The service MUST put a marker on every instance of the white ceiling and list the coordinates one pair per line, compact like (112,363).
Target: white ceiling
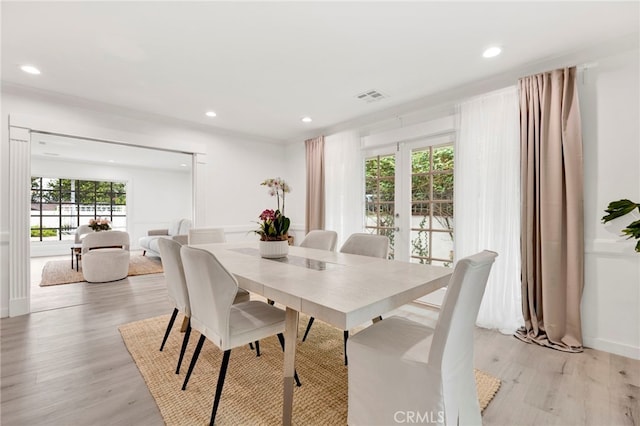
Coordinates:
(262,66)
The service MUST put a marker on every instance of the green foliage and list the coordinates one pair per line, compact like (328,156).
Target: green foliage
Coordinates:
(420,244)
(46,232)
(77,191)
(620,208)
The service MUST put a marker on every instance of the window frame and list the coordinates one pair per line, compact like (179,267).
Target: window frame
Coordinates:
(74,204)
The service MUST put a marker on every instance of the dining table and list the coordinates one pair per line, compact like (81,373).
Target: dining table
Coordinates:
(344,290)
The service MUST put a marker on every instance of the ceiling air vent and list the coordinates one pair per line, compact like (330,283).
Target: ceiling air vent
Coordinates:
(371,96)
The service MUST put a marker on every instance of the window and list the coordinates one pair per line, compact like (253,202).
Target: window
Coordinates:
(380,197)
(409,198)
(59,206)
(432,205)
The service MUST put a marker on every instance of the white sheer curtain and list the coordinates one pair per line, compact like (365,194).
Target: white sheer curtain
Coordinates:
(343,184)
(487,199)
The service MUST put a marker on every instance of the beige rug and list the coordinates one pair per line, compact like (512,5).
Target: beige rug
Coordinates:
(59,271)
(253,388)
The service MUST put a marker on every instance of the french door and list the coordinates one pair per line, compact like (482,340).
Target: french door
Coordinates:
(409,198)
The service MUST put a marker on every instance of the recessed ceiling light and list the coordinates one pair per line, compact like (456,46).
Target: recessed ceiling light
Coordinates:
(112,161)
(30,69)
(183,165)
(306,119)
(492,52)
(210,114)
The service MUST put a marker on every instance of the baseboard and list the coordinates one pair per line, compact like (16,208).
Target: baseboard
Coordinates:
(19,307)
(612,347)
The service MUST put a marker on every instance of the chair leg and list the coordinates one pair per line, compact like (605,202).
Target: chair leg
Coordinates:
(144,252)
(221,376)
(255,347)
(185,342)
(169,327)
(309,324)
(196,353)
(295,373)
(346,336)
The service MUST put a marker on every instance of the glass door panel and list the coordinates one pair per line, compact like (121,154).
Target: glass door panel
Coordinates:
(380,182)
(431,232)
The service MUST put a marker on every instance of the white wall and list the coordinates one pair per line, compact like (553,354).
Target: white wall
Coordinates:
(228,190)
(147,192)
(609,104)
(609,101)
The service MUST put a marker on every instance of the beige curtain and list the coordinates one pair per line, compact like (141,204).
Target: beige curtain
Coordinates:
(315,183)
(552,240)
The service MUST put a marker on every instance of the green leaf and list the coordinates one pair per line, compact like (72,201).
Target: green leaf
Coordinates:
(632,230)
(619,208)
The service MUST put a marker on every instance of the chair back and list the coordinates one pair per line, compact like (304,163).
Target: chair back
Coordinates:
(322,240)
(212,290)
(206,235)
(453,337)
(174,274)
(105,239)
(81,232)
(367,245)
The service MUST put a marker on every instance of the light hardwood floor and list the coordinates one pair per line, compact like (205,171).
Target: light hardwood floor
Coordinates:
(66,364)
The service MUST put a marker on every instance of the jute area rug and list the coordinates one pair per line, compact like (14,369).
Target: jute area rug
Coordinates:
(59,271)
(252,392)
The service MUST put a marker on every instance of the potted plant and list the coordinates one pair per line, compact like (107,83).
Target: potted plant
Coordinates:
(621,208)
(274,225)
(99,224)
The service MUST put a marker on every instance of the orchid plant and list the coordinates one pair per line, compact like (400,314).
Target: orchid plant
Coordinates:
(274,225)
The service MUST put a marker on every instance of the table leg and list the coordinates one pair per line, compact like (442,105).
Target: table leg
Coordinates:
(290,336)
(73,252)
(185,324)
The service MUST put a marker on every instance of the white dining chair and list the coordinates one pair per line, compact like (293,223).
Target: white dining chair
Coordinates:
(178,292)
(403,368)
(320,239)
(215,235)
(206,235)
(365,245)
(227,325)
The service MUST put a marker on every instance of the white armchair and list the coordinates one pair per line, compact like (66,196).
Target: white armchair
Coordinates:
(105,256)
(178,231)
(81,232)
